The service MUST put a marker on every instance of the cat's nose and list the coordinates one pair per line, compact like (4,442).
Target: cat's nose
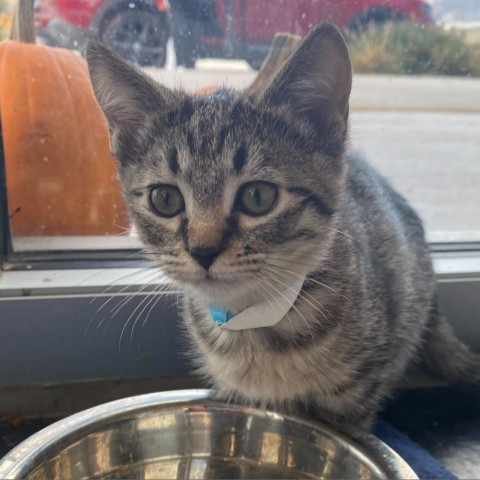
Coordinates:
(205,256)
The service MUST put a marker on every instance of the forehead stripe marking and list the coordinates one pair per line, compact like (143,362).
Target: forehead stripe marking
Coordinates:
(221,138)
(240,158)
(309,198)
(190,142)
(186,111)
(173,161)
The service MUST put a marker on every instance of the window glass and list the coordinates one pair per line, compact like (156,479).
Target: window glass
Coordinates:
(415,106)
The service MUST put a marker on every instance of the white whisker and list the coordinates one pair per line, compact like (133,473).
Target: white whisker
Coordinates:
(154,296)
(308,279)
(339,231)
(112,296)
(114,283)
(302,296)
(147,297)
(296,309)
(151,309)
(292,328)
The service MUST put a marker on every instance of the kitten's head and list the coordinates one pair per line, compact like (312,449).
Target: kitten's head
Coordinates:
(232,194)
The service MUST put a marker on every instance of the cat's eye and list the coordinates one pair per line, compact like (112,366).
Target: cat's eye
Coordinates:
(166,200)
(257,198)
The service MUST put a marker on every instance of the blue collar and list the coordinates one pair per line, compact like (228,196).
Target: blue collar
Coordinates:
(264,314)
(220,314)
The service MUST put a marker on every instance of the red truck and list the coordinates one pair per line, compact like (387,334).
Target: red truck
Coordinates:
(139,29)
(245,28)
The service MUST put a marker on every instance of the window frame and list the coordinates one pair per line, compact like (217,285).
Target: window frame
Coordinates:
(5,242)
(457,266)
(59,368)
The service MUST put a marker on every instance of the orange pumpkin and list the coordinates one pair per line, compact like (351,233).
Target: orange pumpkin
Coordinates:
(60,173)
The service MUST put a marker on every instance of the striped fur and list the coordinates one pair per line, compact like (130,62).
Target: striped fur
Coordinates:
(368,304)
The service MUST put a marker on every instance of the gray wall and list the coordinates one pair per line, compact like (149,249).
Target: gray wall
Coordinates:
(56,340)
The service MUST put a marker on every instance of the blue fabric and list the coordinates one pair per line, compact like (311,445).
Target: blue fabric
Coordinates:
(424,465)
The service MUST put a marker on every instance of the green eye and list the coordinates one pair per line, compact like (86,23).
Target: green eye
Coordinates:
(166,200)
(257,198)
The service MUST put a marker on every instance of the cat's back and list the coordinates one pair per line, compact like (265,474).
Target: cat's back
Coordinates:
(389,245)
(377,208)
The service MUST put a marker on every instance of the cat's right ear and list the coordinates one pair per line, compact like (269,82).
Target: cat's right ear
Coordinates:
(127,97)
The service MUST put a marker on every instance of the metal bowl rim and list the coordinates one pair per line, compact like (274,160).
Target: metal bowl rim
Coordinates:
(18,462)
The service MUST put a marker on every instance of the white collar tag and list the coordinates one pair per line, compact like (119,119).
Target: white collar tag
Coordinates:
(269,312)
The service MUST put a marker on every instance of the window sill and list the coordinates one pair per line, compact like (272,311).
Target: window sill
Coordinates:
(449,266)
(78,324)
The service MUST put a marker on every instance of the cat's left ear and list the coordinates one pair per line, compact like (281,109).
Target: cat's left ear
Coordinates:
(126,95)
(316,80)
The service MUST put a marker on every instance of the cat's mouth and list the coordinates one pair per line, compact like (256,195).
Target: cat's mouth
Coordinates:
(234,291)
(209,280)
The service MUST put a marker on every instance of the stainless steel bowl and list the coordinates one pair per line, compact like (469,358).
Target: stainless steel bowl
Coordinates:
(187,434)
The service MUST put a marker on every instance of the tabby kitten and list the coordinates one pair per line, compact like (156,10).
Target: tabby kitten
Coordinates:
(308,285)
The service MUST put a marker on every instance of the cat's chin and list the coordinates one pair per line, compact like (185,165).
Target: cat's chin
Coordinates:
(231,293)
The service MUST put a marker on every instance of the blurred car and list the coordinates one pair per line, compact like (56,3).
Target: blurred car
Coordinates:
(137,29)
(245,28)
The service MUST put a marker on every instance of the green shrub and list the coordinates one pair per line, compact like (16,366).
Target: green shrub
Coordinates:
(407,48)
